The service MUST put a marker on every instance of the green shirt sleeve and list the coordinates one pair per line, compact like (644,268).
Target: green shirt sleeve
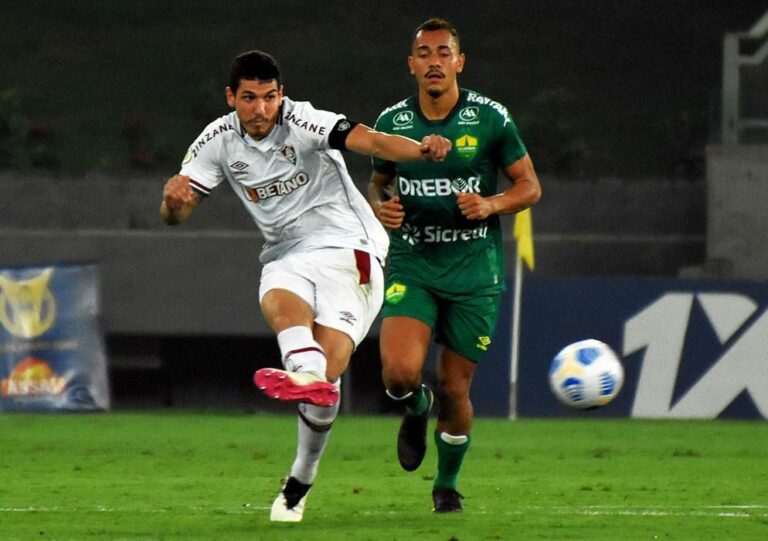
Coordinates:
(510,147)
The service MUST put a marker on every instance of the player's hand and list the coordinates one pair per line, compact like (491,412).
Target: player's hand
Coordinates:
(177,193)
(474,206)
(390,213)
(434,148)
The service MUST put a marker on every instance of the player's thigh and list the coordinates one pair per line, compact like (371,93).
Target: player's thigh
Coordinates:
(343,287)
(403,344)
(409,315)
(467,324)
(283,309)
(291,273)
(349,290)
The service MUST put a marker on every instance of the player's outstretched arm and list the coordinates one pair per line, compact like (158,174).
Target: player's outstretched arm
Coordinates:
(179,199)
(387,209)
(524,192)
(396,148)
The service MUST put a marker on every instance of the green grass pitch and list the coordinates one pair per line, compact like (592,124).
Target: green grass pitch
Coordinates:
(172,476)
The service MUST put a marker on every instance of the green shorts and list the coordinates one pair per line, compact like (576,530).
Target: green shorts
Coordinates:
(463,322)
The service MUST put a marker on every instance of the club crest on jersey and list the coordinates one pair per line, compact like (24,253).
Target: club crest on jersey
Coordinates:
(289,153)
(466,146)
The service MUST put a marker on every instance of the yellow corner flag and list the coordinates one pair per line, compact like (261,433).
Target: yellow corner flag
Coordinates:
(523,232)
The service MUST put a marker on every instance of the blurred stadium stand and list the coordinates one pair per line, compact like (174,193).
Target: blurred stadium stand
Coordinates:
(737,166)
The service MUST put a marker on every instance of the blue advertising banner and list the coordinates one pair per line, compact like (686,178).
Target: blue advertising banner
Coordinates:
(52,354)
(690,349)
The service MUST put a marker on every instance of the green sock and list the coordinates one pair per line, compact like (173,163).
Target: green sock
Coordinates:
(417,402)
(449,458)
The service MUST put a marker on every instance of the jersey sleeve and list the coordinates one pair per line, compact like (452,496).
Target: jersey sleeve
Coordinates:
(379,165)
(510,146)
(202,163)
(312,126)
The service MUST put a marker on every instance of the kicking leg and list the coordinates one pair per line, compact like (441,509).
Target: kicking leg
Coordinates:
(314,428)
(304,379)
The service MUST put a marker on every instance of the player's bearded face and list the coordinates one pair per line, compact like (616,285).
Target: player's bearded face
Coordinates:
(257,104)
(435,61)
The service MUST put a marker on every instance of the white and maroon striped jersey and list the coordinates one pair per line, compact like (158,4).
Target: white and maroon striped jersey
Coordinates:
(296,188)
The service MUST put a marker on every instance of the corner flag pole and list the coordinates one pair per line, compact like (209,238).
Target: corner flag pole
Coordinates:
(523,232)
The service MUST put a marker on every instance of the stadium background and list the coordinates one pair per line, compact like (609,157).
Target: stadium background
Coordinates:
(98,102)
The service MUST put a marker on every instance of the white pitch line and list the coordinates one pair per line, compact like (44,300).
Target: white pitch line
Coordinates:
(104,509)
(735,511)
(726,511)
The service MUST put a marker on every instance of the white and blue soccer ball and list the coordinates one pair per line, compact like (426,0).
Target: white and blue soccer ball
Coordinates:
(586,374)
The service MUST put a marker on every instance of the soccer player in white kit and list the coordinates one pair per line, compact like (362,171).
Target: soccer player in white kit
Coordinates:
(321,284)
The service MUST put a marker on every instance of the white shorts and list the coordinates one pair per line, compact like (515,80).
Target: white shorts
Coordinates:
(345,287)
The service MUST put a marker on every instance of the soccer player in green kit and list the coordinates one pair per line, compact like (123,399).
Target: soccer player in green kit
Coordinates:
(446,265)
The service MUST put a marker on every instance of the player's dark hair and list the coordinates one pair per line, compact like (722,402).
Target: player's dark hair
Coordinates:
(436,23)
(253,66)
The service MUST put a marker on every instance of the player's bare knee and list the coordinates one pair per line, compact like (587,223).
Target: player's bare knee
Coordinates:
(400,380)
(452,391)
(336,367)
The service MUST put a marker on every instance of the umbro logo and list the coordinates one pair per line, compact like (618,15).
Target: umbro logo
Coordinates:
(238,166)
(347,317)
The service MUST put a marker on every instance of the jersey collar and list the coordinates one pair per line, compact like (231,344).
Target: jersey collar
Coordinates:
(442,121)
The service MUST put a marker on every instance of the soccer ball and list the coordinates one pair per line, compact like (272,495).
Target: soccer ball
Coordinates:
(586,374)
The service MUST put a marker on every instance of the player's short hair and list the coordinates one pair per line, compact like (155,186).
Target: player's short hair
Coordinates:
(253,66)
(436,23)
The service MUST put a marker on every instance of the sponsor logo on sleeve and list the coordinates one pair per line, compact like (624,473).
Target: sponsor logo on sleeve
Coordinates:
(499,108)
(207,137)
(305,124)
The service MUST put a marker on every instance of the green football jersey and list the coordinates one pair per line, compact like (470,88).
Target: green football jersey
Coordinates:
(436,245)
